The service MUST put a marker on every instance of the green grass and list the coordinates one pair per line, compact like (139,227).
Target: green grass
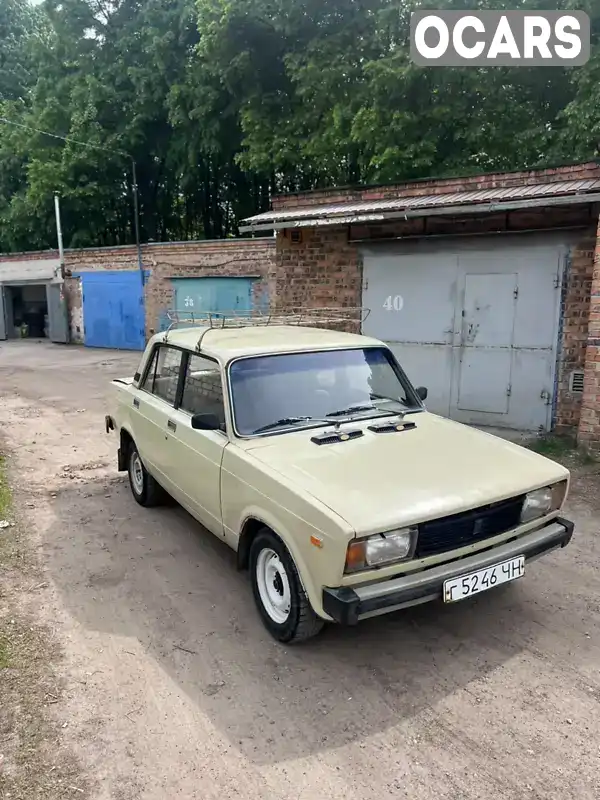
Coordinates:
(28,678)
(5,499)
(560,448)
(5,504)
(4,654)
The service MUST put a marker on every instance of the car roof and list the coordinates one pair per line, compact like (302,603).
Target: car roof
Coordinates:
(225,344)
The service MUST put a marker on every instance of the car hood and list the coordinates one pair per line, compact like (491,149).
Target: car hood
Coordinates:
(385,480)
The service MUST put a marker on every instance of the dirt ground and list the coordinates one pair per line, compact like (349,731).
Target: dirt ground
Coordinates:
(171,688)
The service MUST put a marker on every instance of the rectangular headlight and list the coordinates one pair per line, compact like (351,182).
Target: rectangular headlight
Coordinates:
(541,502)
(381,549)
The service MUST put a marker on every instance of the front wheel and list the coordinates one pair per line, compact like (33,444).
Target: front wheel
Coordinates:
(144,488)
(281,600)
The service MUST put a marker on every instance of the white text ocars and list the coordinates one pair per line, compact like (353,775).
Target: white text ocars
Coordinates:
(310,453)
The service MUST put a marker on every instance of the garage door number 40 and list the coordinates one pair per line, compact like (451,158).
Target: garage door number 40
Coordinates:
(394,303)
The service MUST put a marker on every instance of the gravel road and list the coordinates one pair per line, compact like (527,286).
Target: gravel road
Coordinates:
(173,689)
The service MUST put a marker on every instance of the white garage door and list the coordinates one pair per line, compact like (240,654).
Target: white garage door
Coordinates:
(473,320)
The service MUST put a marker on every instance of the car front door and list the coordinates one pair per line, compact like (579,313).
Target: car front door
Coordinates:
(152,407)
(198,454)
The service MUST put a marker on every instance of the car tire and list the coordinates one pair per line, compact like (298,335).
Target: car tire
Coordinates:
(278,592)
(146,491)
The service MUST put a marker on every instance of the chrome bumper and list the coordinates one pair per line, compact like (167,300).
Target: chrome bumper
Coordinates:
(348,605)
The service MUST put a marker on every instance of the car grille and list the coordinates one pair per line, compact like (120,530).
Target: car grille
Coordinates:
(458,530)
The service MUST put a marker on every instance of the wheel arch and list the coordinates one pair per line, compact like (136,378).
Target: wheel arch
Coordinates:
(251,526)
(125,441)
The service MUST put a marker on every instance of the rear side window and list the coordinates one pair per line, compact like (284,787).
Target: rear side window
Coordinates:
(162,377)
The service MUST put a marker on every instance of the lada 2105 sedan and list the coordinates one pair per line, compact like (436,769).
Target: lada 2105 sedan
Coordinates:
(311,454)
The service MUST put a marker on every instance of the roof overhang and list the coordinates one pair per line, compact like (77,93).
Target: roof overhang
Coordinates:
(403,208)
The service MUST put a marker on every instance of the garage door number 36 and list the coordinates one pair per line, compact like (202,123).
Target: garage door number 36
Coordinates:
(394,303)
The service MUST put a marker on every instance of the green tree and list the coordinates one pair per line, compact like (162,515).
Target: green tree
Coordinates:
(221,103)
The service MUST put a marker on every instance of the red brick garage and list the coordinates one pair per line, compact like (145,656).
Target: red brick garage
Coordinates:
(502,262)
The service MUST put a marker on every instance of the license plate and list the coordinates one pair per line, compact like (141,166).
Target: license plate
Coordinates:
(484,579)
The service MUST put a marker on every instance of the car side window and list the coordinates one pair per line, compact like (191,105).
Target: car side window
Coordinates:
(162,377)
(203,388)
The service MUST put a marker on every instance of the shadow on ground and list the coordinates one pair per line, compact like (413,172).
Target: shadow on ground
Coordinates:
(158,577)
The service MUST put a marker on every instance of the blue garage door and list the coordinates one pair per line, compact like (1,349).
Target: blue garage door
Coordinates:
(113,309)
(197,295)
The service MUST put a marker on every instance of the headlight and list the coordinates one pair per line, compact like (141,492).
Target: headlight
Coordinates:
(543,501)
(381,549)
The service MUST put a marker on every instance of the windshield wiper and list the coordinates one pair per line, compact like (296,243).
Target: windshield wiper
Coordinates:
(358,408)
(351,410)
(287,421)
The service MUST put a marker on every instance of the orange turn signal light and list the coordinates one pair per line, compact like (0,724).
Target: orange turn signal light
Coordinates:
(355,556)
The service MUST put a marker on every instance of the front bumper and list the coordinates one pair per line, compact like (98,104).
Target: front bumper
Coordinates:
(348,605)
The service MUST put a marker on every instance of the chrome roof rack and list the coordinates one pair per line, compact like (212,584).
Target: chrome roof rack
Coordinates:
(302,316)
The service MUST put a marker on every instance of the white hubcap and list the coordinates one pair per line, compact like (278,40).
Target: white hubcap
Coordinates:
(273,585)
(137,473)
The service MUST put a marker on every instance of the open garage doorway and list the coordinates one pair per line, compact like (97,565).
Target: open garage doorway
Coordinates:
(26,312)
(33,311)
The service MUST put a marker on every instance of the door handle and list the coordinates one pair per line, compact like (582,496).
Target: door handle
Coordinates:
(136,402)
(171,425)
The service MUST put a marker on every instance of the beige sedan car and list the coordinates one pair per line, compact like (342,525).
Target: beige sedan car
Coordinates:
(311,454)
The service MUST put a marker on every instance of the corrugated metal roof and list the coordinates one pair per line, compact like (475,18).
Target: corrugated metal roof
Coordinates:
(531,192)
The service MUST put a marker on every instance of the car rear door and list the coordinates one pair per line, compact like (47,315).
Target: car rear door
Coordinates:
(152,408)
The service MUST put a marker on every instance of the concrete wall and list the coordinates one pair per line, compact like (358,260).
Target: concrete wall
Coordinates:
(20,269)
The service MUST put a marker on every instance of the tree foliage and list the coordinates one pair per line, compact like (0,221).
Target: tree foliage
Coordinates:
(220,103)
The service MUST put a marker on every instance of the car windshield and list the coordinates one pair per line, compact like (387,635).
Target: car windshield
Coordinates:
(293,390)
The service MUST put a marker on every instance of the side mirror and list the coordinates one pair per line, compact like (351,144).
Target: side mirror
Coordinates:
(206,422)
(422,392)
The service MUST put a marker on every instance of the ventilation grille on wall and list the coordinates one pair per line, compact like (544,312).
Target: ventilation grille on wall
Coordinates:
(576,382)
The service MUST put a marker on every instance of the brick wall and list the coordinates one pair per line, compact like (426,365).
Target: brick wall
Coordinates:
(164,261)
(225,258)
(88,260)
(576,288)
(438,186)
(323,270)
(32,255)
(589,423)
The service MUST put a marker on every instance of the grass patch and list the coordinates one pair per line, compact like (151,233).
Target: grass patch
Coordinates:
(5,499)
(562,449)
(4,653)
(34,764)
(4,509)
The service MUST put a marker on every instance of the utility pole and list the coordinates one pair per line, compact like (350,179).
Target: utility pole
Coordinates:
(61,252)
(137,220)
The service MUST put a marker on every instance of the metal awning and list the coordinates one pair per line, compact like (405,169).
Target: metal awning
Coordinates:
(404,207)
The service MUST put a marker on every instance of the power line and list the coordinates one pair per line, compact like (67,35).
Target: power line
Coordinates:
(64,138)
(136,213)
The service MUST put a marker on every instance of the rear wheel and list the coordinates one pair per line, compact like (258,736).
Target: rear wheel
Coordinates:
(280,598)
(144,488)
